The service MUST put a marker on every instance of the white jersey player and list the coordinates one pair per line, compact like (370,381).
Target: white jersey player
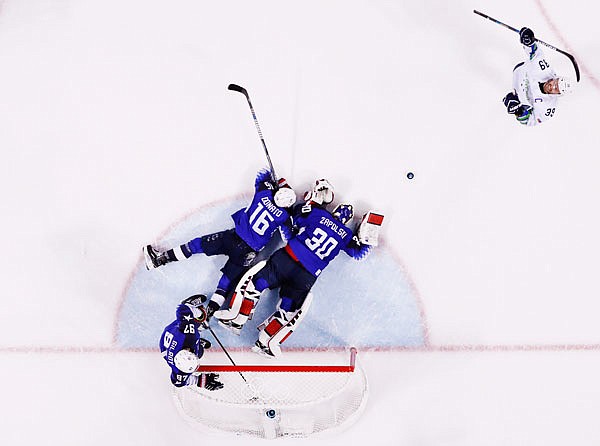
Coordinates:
(536,87)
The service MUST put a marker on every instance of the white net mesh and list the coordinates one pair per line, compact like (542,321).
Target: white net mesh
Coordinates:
(273,404)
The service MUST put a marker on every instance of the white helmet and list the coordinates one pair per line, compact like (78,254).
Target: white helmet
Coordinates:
(285,197)
(186,361)
(565,85)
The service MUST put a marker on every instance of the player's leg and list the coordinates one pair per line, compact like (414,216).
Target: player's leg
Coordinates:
(211,244)
(241,257)
(245,297)
(281,324)
(291,309)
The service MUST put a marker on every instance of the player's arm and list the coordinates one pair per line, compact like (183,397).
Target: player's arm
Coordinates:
(357,250)
(179,379)
(527,39)
(299,214)
(264,180)
(208,381)
(286,229)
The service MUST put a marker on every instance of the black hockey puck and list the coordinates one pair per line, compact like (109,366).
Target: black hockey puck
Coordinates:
(410,175)
(270,413)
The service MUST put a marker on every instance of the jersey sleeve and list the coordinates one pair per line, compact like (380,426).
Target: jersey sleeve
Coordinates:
(179,379)
(532,51)
(356,249)
(263,181)
(286,229)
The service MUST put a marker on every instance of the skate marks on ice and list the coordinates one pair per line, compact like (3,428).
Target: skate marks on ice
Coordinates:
(369,304)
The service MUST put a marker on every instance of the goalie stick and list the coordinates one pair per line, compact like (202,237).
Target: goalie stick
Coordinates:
(571,58)
(234,87)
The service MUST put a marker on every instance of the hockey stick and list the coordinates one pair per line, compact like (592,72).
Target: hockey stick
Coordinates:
(571,58)
(234,87)
(226,353)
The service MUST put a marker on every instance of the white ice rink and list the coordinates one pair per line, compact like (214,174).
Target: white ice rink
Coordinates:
(115,123)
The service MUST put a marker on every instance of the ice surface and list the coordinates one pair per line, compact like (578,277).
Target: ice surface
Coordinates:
(117,129)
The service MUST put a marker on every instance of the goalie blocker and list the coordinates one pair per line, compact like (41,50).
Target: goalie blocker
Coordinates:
(370,226)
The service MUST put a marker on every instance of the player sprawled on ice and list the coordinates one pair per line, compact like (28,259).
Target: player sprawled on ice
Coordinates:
(182,347)
(536,87)
(254,227)
(319,237)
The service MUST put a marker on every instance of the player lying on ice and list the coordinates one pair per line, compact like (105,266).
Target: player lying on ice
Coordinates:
(182,347)
(254,227)
(536,88)
(319,237)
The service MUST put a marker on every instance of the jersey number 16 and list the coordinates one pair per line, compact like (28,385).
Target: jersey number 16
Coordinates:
(261,221)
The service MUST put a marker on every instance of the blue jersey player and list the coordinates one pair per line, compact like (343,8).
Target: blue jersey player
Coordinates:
(253,228)
(182,347)
(319,237)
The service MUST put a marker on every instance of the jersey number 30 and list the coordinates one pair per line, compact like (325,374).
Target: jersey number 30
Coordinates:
(321,244)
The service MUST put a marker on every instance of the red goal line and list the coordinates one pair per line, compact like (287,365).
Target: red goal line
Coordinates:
(284,368)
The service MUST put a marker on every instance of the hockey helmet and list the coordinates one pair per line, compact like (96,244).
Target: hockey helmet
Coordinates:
(285,197)
(343,212)
(565,85)
(186,361)
(190,314)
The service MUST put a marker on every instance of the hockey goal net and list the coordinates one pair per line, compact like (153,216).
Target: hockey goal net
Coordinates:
(271,401)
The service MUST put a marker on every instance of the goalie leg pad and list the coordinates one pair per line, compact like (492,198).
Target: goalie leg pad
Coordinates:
(244,289)
(280,325)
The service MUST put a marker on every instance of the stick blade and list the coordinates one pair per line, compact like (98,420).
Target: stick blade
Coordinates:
(577,74)
(235,87)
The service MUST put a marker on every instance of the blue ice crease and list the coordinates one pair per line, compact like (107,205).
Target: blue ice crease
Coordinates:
(367,304)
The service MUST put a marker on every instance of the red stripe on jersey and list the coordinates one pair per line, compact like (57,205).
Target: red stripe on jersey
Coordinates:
(290,252)
(246,308)
(375,219)
(273,327)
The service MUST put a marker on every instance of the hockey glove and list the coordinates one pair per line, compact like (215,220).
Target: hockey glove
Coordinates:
(523,114)
(209,381)
(211,308)
(196,300)
(526,36)
(205,343)
(512,103)
(282,182)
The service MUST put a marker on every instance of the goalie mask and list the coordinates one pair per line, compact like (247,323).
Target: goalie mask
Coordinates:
(285,197)
(343,212)
(186,361)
